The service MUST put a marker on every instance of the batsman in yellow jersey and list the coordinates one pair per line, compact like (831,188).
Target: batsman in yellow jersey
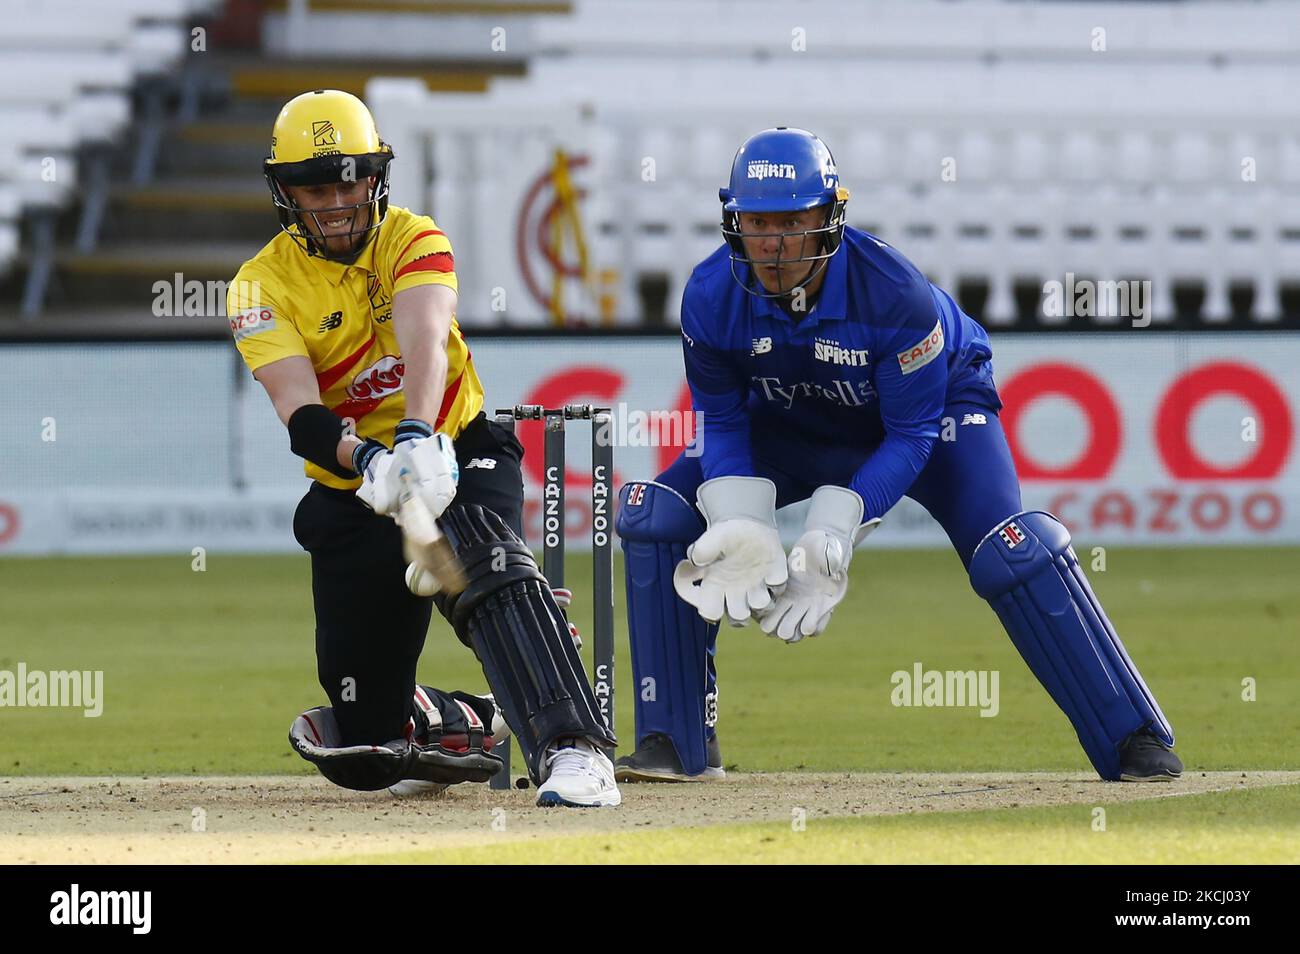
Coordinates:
(347,318)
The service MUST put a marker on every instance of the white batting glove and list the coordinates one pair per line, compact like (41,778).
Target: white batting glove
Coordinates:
(730,568)
(378,489)
(428,466)
(819,563)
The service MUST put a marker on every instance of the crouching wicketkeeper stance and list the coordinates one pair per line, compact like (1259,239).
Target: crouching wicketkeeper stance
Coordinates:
(825,367)
(347,318)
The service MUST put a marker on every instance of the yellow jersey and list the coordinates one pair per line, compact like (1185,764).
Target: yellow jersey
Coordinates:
(284,303)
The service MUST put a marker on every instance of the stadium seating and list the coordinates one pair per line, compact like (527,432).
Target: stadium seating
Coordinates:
(413,30)
(996,152)
(67,71)
(1170,155)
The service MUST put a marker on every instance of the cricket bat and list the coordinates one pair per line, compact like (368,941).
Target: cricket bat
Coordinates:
(423,542)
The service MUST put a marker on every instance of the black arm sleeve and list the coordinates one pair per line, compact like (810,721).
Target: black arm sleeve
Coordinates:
(314,434)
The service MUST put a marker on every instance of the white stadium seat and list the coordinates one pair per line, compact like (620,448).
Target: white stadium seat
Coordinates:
(1118,154)
(66,74)
(9,206)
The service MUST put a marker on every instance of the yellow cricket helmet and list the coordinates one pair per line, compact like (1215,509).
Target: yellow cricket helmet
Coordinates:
(322,137)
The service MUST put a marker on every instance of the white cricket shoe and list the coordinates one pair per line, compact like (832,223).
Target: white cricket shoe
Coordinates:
(579,775)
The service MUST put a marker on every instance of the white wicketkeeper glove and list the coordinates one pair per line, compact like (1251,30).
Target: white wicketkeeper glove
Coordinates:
(819,563)
(739,556)
(427,464)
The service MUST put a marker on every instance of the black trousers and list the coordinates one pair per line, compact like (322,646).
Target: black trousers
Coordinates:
(370,628)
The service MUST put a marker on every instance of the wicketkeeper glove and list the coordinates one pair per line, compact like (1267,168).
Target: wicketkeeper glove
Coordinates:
(739,556)
(818,564)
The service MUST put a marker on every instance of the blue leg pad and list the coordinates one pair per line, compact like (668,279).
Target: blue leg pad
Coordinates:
(1028,572)
(672,647)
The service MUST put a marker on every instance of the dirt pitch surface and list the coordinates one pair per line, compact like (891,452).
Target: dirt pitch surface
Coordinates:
(267,819)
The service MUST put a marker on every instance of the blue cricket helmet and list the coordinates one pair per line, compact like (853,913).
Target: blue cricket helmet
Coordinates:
(783,170)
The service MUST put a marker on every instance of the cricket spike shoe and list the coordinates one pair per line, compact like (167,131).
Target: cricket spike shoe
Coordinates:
(578,775)
(655,760)
(1145,758)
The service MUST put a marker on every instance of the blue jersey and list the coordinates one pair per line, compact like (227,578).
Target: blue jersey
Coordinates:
(872,364)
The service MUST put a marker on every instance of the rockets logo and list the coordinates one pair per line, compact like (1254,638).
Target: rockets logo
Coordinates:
(1012,536)
(381,378)
(322,133)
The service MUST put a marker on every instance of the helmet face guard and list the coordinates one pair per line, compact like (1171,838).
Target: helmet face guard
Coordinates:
(326,170)
(827,238)
(780,171)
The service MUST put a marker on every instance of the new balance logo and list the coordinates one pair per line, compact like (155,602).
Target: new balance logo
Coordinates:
(974,419)
(761,346)
(482,463)
(1012,536)
(330,322)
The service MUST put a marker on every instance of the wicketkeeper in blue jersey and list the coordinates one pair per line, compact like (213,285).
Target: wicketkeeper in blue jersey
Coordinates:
(822,365)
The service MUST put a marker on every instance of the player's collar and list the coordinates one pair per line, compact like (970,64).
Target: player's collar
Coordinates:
(832,301)
(335,271)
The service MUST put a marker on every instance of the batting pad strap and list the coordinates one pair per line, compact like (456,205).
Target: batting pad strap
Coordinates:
(455,720)
(1028,572)
(314,735)
(670,642)
(509,617)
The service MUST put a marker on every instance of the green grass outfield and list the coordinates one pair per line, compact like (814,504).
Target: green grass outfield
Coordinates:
(204,671)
